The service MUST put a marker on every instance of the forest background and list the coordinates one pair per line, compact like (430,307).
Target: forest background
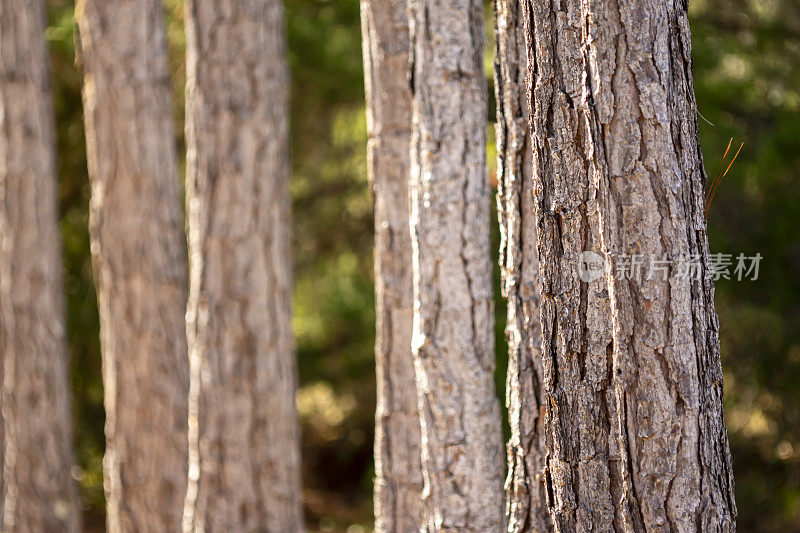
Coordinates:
(747,78)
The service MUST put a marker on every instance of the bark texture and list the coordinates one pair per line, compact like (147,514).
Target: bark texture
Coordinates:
(635,436)
(398,471)
(138,252)
(36,479)
(244,434)
(453,340)
(526,498)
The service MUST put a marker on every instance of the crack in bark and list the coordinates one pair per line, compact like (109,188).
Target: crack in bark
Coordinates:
(615,173)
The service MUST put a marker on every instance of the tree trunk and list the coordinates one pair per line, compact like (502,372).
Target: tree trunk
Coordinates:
(244,434)
(398,472)
(36,480)
(526,499)
(138,251)
(453,340)
(634,431)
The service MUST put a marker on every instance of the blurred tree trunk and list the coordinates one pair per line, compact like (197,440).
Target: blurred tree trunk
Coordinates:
(526,506)
(453,337)
(36,480)
(634,430)
(138,251)
(244,434)
(398,472)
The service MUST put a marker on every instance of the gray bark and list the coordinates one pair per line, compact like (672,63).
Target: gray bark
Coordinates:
(635,437)
(526,499)
(36,482)
(138,253)
(453,340)
(398,472)
(244,434)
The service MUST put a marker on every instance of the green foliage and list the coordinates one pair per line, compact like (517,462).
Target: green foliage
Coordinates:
(747,79)
(332,224)
(82,319)
(747,75)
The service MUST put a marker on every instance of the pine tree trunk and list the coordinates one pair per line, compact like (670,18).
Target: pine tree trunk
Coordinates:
(138,252)
(634,431)
(526,503)
(398,472)
(36,480)
(244,434)
(453,339)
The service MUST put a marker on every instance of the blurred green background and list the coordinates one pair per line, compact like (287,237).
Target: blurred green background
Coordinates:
(747,76)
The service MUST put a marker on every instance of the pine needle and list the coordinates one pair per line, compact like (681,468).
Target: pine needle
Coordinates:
(717,175)
(718,181)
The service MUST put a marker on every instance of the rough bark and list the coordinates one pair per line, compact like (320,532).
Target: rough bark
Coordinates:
(244,434)
(398,472)
(36,480)
(453,340)
(138,253)
(526,498)
(634,430)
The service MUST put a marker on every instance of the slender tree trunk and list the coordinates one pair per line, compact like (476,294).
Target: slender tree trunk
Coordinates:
(527,485)
(138,251)
(526,498)
(453,340)
(244,434)
(36,479)
(634,431)
(398,472)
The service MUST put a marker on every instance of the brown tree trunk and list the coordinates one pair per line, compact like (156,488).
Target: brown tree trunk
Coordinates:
(526,498)
(635,438)
(138,251)
(36,479)
(398,472)
(244,434)
(453,340)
